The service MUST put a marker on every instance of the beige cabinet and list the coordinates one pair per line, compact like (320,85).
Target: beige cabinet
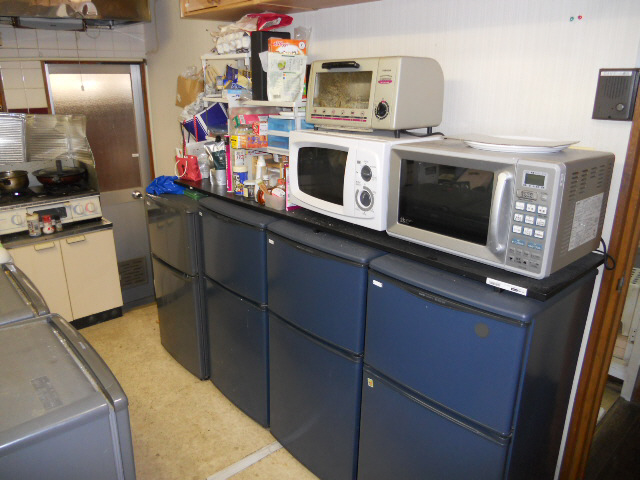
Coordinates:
(232,10)
(77,275)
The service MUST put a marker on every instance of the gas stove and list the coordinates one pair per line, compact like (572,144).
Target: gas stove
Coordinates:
(72,203)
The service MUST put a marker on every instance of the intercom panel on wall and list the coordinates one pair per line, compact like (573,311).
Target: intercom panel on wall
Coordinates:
(616,93)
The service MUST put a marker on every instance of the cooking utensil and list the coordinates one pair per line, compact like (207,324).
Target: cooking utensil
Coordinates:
(60,175)
(13,181)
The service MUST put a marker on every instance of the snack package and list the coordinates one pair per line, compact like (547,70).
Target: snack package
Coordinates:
(287,46)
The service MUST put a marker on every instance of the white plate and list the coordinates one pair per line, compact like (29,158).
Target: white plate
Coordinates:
(516,144)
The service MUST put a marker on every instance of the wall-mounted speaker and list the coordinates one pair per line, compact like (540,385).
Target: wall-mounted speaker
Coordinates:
(616,93)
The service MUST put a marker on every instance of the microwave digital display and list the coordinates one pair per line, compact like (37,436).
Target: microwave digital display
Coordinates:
(451,201)
(534,179)
(321,173)
(342,90)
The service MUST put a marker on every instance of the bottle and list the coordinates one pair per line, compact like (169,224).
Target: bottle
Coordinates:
(47,225)
(203,164)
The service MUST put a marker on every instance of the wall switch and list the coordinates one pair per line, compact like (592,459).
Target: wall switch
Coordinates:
(616,93)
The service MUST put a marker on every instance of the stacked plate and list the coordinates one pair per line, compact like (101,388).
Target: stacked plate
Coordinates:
(12,138)
(515,144)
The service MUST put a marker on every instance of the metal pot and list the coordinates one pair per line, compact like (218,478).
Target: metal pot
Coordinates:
(60,175)
(13,181)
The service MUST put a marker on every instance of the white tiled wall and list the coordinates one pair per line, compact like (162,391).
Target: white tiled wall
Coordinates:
(121,42)
(22,50)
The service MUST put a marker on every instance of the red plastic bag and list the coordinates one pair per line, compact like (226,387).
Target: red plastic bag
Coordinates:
(269,21)
(187,168)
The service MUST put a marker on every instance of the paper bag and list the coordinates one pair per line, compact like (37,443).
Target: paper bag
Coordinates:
(188,90)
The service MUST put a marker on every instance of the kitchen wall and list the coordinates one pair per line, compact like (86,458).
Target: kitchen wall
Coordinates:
(22,50)
(173,45)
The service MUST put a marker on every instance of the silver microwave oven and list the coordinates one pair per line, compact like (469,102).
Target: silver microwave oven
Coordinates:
(379,93)
(529,213)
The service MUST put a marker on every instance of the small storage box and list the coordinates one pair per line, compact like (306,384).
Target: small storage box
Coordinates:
(281,123)
(278,141)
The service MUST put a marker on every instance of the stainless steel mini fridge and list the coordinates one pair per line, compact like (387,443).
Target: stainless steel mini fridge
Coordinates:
(64,415)
(176,251)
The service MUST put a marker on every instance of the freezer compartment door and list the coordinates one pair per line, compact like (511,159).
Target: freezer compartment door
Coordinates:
(456,355)
(238,349)
(174,231)
(235,255)
(321,293)
(315,401)
(180,313)
(402,435)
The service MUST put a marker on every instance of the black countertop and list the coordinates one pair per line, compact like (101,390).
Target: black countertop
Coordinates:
(537,289)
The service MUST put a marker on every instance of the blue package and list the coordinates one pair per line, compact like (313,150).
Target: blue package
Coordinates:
(164,184)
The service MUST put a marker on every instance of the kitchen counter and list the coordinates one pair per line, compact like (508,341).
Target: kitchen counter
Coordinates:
(536,289)
(14,240)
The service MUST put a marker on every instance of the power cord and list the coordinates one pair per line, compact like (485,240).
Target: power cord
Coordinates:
(607,257)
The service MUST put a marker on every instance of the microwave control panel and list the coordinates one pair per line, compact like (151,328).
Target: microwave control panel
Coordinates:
(366,190)
(529,221)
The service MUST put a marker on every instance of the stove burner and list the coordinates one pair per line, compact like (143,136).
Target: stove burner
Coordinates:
(62,190)
(9,197)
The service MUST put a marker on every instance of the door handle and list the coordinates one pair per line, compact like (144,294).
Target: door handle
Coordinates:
(44,246)
(79,238)
(136,194)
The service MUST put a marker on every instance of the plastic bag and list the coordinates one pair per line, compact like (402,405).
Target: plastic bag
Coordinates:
(164,184)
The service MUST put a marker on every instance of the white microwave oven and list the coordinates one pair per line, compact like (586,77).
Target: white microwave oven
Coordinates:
(529,213)
(342,175)
(380,93)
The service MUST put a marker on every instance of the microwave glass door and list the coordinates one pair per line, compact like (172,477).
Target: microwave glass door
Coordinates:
(321,173)
(343,89)
(452,201)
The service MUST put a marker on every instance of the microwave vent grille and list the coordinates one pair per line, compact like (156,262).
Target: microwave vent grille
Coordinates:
(582,184)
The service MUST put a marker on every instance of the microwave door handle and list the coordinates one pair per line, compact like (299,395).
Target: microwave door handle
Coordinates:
(345,64)
(500,211)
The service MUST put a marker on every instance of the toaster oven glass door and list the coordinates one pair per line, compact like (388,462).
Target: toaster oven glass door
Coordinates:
(444,199)
(351,90)
(321,173)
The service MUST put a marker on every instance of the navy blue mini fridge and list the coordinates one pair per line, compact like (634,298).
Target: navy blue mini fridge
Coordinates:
(238,342)
(462,380)
(235,266)
(235,250)
(176,250)
(317,302)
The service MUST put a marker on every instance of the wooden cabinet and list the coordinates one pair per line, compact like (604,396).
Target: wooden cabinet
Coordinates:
(232,10)
(77,275)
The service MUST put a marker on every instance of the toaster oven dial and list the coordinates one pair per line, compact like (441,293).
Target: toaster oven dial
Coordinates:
(365,199)
(366,173)
(382,110)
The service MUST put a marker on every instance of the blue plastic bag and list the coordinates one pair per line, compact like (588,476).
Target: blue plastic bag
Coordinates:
(164,184)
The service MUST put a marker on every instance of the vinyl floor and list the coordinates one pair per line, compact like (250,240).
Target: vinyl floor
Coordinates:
(182,428)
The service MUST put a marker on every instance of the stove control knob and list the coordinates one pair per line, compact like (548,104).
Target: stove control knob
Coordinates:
(78,209)
(17,220)
(90,207)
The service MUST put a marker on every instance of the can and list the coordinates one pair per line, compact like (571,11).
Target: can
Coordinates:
(33,224)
